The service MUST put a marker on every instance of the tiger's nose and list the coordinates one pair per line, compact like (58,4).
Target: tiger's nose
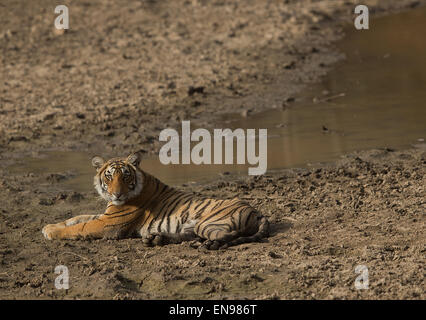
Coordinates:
(117,194)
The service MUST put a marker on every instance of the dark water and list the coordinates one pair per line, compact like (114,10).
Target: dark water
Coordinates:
(375,98)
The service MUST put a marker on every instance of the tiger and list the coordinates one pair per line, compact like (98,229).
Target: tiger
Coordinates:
(141,206)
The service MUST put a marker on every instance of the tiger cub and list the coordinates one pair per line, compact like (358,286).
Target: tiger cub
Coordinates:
(139,205)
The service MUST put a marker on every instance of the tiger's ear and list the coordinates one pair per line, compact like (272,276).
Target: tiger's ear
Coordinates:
(134,159)
(98,162)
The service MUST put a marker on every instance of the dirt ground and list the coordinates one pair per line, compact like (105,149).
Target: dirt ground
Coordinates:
(125,71)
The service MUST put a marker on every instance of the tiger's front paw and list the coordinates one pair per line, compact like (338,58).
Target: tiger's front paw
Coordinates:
(51,231)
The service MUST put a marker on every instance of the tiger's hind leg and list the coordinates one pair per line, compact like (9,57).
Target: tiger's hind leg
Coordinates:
(216,235)
(234,230)
(163,238)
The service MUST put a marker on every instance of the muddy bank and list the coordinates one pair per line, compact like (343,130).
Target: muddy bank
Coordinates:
(123,72)
(368,209)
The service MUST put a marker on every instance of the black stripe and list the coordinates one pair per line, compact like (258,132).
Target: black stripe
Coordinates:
(108,214)
(197,214)
(201,202)
(169,213)
(229,213)
(219,203)
(239,221)
(224,217)
(221,225)
(122,224)
(126,214)
(185,212)
(162,190)
(210,232)
(155,218)
(234,226)
(246,216)
(163,212)
(183,216)
(218,212)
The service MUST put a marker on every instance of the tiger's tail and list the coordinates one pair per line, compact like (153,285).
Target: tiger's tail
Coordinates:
(262,232)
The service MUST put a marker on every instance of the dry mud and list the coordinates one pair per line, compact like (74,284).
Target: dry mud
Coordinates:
(368,209)
(124,72)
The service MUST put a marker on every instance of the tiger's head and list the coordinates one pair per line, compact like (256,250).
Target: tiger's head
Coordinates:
(119,179)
